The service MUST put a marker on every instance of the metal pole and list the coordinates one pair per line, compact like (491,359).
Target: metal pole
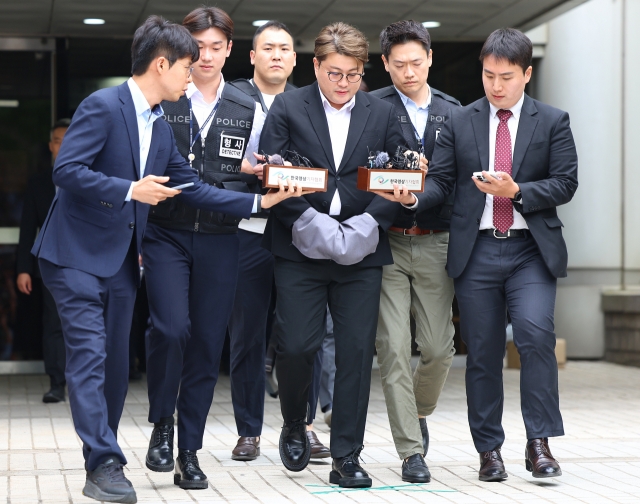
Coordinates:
(623,74)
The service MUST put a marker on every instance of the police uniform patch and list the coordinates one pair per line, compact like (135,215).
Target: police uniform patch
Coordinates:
(231,146)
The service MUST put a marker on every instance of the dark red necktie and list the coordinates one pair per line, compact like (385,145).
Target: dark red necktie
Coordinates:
(503,207)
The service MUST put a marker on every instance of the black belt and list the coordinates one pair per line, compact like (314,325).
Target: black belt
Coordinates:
(511,233)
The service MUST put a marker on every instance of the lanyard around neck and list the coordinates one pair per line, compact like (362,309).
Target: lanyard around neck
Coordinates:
(193,140)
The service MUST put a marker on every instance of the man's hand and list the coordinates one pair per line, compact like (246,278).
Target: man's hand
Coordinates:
(150,190)
(24,283)
(274,197)
(400,194)
(504,186)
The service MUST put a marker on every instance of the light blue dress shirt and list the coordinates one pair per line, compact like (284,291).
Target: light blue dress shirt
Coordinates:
(419,115)
(145,116)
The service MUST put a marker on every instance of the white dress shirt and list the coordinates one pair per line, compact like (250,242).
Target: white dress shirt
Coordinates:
(145,117)
(202,109)
(338,121)
(486,222)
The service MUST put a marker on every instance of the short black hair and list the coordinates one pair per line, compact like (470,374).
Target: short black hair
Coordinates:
(61,123)
(270,25)
(402,32)
(159,37)
(511,45)
(203,18)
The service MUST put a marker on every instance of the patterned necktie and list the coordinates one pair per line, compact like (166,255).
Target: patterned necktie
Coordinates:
(503,207)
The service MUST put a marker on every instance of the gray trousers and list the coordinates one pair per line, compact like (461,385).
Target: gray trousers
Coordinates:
(417,284)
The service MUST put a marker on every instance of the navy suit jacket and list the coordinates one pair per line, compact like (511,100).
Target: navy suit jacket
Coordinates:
(545,166)
(90,225)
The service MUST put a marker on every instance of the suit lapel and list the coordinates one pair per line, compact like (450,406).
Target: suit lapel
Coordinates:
(480,122)
(131,121)
(526,126)
(318,119)
(359,116)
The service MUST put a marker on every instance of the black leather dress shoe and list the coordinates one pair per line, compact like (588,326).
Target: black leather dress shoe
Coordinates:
(347,472)
(188,474)
(295,450)
(539,461)
(425,435)
(491,466)
(160,452)
(108,483)
(55,395)
(415,470)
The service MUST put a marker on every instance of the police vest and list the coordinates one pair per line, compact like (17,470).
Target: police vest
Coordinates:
(218,160)
(439,113)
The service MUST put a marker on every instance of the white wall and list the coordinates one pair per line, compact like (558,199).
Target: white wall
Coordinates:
(581,73)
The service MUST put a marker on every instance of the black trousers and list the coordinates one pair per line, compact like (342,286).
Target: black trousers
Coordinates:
(353,295)
(191,281)
(509,275)
(53,351)
(248,333)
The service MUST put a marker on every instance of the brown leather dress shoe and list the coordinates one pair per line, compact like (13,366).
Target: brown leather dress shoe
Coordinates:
(248,448)
(318,450)
(539,461)
(491,466)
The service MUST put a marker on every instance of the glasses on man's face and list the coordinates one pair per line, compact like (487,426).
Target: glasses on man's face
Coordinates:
(189,69)
(352,78)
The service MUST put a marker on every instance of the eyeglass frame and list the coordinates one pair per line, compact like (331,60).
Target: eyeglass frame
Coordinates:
(342,76)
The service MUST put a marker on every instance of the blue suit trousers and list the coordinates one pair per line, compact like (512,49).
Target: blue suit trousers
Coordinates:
(509,275)
(96,318)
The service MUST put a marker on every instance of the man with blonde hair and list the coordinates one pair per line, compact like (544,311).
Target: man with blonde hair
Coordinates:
(330,247)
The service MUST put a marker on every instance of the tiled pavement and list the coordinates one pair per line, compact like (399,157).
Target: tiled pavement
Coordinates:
(40,458)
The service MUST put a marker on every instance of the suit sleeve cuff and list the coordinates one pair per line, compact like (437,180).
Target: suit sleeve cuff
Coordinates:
(412,207)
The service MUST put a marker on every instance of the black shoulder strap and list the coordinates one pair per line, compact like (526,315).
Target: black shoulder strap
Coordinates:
(248,88)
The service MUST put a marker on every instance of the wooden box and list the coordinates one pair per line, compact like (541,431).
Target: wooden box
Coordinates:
(513,358)
(314,179)
(380,179)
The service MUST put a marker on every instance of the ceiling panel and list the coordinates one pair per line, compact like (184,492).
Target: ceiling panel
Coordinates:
(462,20)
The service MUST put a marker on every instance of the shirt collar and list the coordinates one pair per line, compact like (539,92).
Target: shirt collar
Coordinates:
(141,104)
(347,107)
(515,110)
(406,100)
(193,91)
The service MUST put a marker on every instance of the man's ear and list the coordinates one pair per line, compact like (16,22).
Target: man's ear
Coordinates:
(386,63)
(162,64)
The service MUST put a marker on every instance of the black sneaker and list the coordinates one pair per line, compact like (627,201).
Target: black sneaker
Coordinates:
(295,450)
(107,483)
(348,473)
(55,395)
(160,453)
(188,475)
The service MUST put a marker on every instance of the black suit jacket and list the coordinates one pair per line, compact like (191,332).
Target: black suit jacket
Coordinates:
(297,121)
(37,200)
(545,166)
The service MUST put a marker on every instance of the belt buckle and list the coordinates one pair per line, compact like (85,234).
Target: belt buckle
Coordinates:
(404,232)
(500,237)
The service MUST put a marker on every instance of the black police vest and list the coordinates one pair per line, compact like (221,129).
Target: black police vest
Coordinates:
(439,113)
(218,160)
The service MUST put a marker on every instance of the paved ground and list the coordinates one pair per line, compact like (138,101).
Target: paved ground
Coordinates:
(40,458)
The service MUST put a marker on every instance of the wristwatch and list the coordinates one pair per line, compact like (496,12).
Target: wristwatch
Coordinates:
(517,198)
(259,203)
